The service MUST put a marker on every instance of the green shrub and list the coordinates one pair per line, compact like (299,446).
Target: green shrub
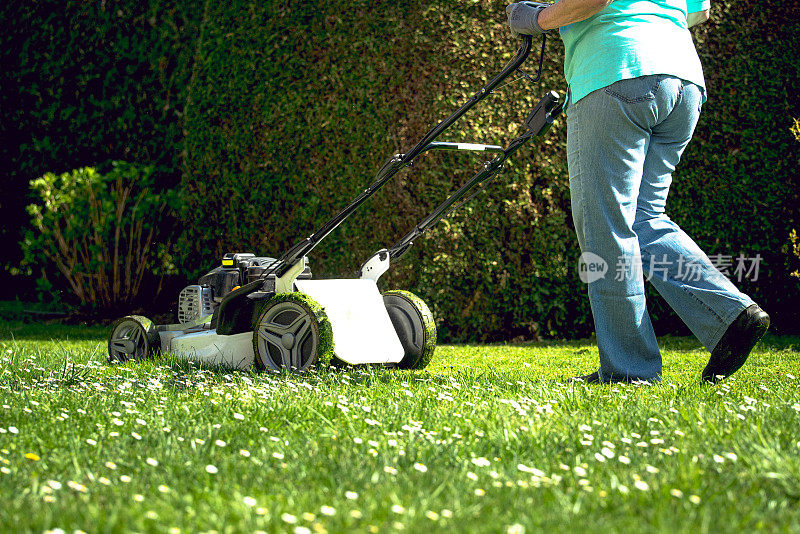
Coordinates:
(293,111)
(97,235)
(794,251)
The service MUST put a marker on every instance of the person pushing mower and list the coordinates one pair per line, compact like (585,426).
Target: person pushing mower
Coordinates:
(636,87)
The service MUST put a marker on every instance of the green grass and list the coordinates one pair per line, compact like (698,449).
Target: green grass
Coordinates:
(487,439)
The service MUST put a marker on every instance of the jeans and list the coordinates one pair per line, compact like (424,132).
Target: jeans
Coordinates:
(623,142)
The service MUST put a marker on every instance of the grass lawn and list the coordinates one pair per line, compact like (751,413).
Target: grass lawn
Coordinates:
(489,438)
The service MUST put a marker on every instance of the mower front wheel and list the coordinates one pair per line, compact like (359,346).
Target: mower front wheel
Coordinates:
(414,324)
(132,338)
(292,333)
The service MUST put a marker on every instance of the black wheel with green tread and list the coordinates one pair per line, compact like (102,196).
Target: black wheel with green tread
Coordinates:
(133,337)
(292,332)
(414,324)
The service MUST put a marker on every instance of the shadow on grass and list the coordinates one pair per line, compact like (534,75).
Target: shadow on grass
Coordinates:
(51,330)
(473,362)
(672,343)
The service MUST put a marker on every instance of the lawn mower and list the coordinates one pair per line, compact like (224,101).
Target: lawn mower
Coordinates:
(269,313)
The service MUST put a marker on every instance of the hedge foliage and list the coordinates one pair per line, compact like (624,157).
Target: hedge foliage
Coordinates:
(303,115)
(275,114)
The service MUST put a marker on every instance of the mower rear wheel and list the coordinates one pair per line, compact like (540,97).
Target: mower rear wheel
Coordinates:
(292,333)
(133,337)
(414,324)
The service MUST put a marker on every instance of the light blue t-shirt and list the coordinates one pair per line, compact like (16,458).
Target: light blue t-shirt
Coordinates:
(628,39)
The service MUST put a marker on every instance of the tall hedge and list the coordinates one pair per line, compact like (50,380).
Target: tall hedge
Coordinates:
(296,110)
(275,114)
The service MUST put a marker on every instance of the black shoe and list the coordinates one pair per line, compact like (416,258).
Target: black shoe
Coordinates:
(593,378)
(737,342)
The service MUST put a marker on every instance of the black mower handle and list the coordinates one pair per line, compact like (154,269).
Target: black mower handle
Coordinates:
(394,164)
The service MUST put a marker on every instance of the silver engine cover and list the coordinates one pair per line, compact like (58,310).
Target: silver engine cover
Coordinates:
(194,302)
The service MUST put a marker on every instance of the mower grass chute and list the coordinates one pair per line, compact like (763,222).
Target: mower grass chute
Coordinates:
(269,313)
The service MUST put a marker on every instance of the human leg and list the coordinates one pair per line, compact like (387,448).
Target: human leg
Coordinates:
(723,318)
(703,298)
(607,139)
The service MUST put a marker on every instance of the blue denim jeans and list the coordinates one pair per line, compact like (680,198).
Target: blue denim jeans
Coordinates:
(623,143)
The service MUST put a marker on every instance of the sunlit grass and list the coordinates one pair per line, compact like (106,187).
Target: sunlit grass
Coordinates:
(487,439)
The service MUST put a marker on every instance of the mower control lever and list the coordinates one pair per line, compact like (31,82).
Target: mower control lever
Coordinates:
(542,116)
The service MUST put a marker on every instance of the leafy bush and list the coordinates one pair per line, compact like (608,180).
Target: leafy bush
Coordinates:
(293,111)
(99,232)
(794,250)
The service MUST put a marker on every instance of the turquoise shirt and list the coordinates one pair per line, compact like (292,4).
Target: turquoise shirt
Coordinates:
(628,39)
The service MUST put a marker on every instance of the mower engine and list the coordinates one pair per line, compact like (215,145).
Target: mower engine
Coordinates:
(236,269)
